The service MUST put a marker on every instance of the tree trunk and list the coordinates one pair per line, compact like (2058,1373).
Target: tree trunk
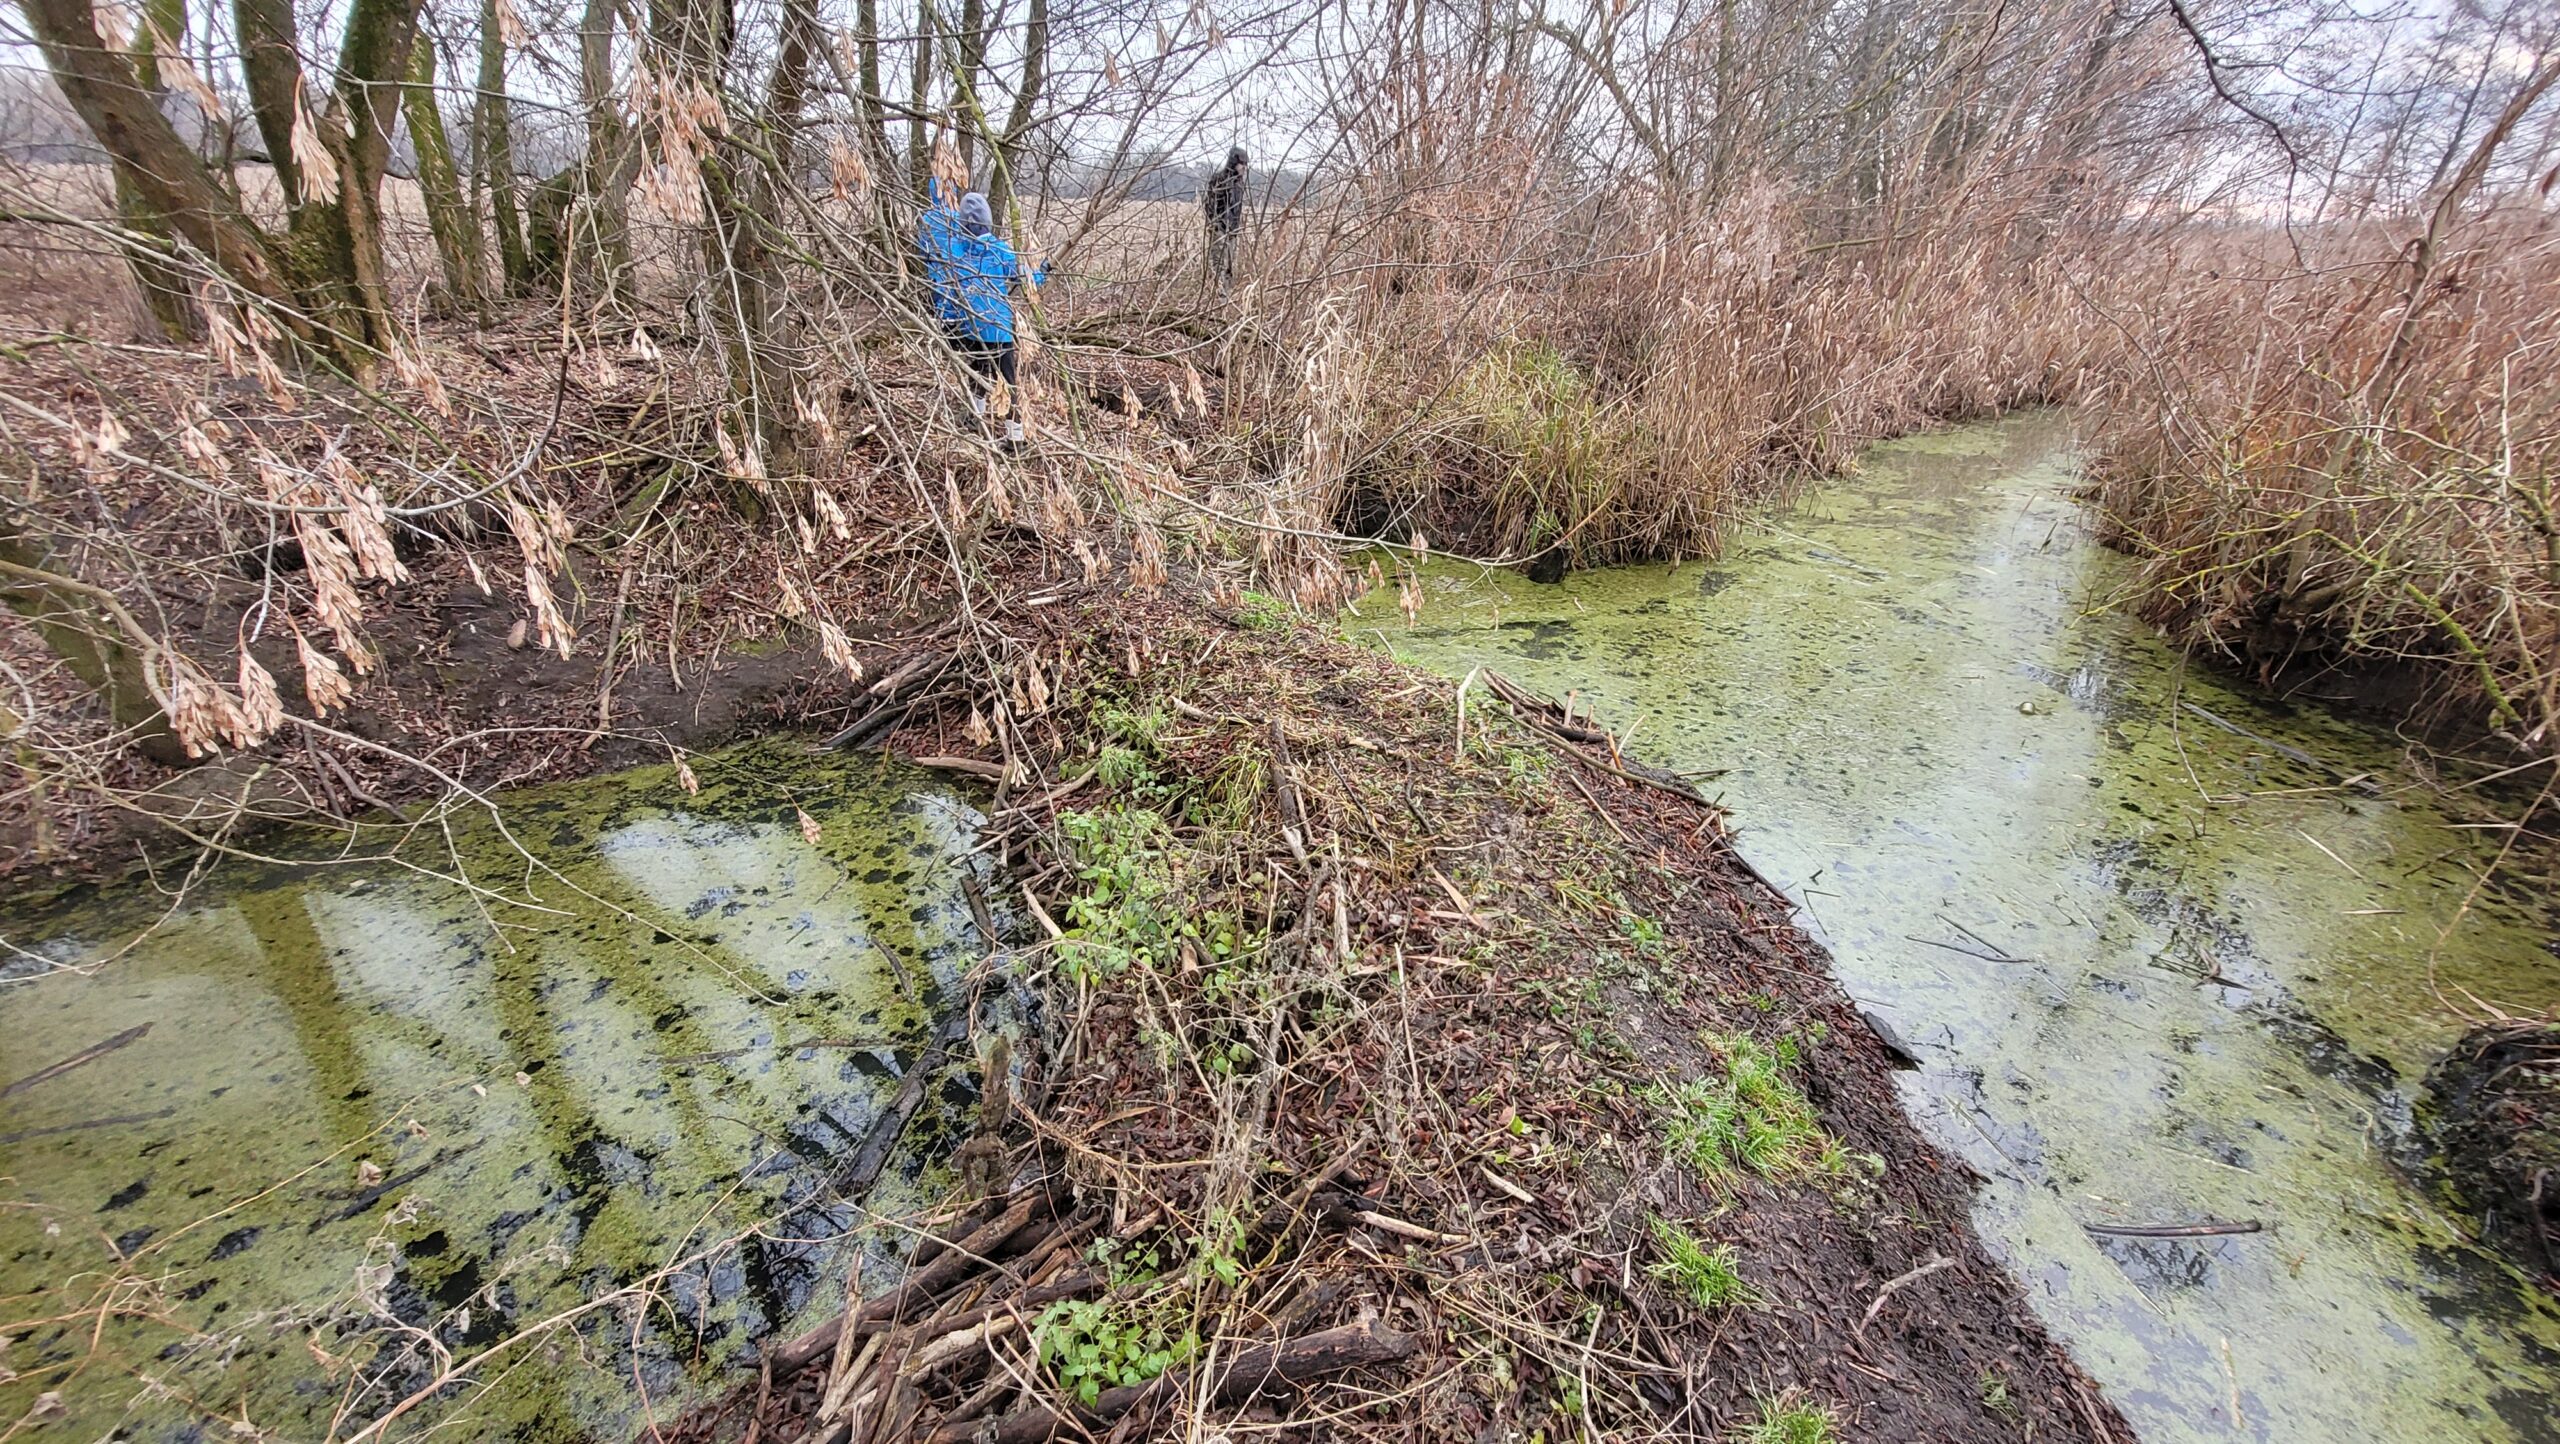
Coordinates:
(919,91)
(876,154)
(1017,126)
(968,64)
(612,161)
(493,152)
(162,282)
(450,216)
(273,69)
(100,646)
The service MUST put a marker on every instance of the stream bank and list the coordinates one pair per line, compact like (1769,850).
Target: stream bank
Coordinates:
(2168,952)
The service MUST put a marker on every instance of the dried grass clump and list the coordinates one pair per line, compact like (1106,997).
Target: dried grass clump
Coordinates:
(2308,476)
(1629,407)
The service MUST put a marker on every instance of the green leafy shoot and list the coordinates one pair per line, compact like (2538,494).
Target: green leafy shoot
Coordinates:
(1096,1345)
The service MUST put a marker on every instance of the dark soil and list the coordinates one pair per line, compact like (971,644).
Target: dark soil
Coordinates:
(2492,1118)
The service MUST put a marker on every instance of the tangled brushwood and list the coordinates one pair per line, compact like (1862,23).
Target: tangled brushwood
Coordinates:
(1394,1026)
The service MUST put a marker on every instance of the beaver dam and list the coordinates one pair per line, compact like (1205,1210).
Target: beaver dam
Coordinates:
(2173,959)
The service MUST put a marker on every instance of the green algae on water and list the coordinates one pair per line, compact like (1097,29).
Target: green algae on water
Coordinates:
(376,1123)
(2159,970)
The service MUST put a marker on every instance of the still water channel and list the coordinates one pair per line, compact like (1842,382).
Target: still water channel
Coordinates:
(2158,972)
(328,1129)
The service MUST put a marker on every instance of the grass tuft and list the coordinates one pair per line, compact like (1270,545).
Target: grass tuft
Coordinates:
(1751,1120)
(1711,1278)
(1790,1419)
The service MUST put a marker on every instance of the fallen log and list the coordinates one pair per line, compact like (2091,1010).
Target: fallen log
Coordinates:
(872,1155)
(1352,1346)
(981,1242)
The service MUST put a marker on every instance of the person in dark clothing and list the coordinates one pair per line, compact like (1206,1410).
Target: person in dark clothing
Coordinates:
(973,271)
(1224,202)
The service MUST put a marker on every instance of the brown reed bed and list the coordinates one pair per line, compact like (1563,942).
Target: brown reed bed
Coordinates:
(2317,462)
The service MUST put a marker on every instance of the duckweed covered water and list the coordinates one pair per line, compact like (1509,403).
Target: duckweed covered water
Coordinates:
(357,1123)
(2158,972)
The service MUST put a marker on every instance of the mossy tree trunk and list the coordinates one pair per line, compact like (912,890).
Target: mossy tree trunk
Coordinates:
(332,249)
(322,278)
(493,154)
(451,217)
(166,296)
(101,85)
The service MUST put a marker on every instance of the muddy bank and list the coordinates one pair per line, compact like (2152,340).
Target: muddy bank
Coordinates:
(2491,1120)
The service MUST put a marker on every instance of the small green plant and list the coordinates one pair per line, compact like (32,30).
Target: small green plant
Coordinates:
(1122,767)
(1217,1251)
(1261,612)
(1790,1419)
(1751,1119)
(1095,1345)
(1711,1278)
(1995,1393)
(1523,766)
(1124,914)
(1136,1262)
(1128,913)
(1643,931)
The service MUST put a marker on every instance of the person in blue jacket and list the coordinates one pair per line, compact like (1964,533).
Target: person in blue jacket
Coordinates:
(973,271)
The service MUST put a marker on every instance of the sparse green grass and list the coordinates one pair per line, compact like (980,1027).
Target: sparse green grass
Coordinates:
(1261,612)
(1789,1419)
(1711,1278)
(1752,1119)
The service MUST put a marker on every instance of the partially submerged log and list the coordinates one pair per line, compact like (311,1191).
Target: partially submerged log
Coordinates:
(987,1241)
